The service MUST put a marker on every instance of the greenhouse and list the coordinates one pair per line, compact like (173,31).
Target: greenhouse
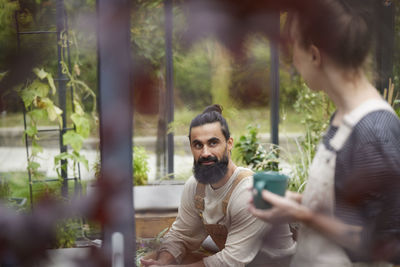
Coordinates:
(115,114)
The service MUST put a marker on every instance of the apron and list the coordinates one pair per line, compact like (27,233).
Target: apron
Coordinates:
(313,249)
(218,232)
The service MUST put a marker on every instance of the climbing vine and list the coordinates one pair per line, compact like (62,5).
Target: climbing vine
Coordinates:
(37,96)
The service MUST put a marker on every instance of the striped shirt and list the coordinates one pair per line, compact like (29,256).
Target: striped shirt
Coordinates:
(367,182)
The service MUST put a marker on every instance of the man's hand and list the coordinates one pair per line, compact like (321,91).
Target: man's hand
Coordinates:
(285,209)
(164,259)
(154,263)
(150,262)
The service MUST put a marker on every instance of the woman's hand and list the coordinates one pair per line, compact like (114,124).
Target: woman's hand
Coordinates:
(284,209)
(293,196)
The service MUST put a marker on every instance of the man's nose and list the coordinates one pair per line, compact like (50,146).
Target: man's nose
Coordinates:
(205,152)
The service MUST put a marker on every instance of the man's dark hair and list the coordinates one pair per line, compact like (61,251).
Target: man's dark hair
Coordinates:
(211,114)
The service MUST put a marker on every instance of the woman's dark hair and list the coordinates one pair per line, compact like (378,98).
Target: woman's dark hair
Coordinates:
(211,114)
(340,28)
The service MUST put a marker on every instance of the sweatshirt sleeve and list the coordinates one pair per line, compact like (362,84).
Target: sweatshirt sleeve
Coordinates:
(187,232)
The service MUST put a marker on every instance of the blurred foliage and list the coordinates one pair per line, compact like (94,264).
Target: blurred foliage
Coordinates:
(7,30)
(4,189)
(200,78)
(391,97)
(299,163)
(193,74)
(254,154)
(145,246)
(316,109)
(195,77)
(250,78)
(148,33)
(18,183)
(140,166)
(67,232)
(37,95)
(251,82)
(221,63)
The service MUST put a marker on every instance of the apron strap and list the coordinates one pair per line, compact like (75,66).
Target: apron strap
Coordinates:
(351,119)
(243,174)
(201,188)
(199,198)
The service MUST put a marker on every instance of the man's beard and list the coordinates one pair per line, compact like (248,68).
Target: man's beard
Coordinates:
(210,174)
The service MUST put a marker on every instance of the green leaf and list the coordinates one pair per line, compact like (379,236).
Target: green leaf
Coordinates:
(140,165)
(54,113)
(33,166)
(40,89)
(61,156)
(73,139)
(37,114)
(27,96)
(31,131)
(82,124)
(3,74)
(78,108)
(36,148)
(57,162)
(40,73)
(81,158)
(51,83)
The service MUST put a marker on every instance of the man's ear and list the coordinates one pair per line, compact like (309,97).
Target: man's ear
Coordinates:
(230,143)
(316,55)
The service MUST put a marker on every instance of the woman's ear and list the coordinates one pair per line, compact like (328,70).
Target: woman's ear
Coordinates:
(316,55)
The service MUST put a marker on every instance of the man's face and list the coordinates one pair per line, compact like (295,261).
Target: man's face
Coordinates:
(211,152)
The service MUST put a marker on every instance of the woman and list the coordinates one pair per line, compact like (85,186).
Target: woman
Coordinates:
(350,209)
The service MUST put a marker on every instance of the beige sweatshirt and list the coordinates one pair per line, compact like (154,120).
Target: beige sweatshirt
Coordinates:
(248,236)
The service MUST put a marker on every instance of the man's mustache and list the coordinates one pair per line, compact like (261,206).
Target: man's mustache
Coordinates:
(207,159)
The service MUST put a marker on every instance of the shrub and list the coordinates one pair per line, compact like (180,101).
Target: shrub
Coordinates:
(4,188)
(193,73)
(316,109)
(253,154)
(140,166)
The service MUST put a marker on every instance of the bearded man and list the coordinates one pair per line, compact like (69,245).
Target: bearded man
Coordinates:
(214,203)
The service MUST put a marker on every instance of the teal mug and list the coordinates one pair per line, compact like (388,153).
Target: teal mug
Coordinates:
(274,182)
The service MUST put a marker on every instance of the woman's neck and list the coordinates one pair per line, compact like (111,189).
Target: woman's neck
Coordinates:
(348,90)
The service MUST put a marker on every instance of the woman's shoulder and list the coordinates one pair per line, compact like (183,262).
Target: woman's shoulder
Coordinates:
(376,127)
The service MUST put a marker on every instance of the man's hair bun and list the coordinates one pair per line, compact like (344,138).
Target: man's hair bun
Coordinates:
(211,114)
(215,107)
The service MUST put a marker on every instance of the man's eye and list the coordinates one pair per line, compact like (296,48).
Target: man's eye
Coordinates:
(213,143)
(198,146)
